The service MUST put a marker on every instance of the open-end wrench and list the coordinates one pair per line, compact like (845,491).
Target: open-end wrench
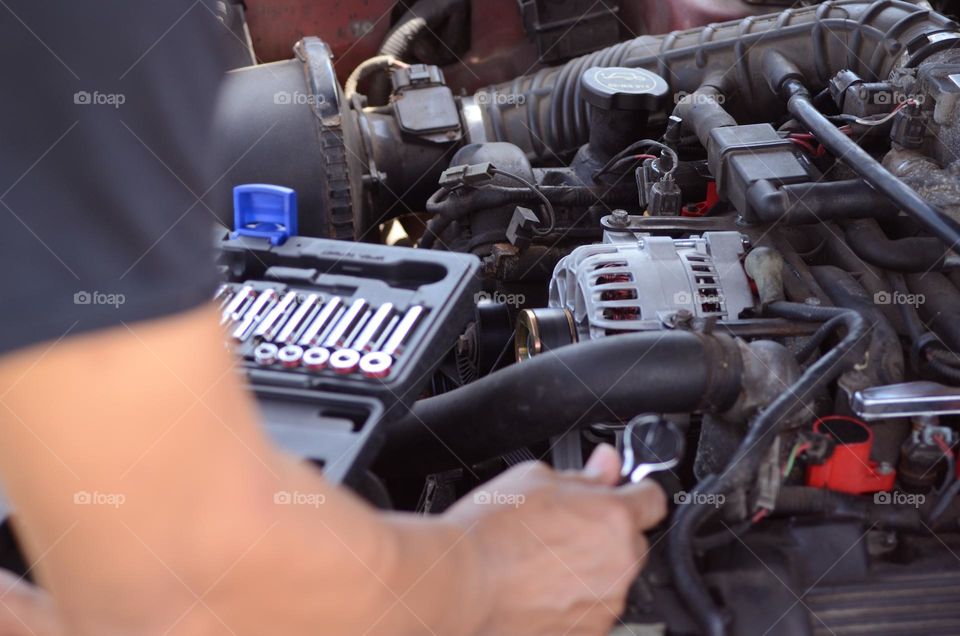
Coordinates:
(650,445)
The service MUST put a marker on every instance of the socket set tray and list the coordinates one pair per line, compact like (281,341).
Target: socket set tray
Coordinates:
(343,317)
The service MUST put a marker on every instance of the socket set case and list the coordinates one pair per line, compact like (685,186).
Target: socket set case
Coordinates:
(339,433)
(324,318)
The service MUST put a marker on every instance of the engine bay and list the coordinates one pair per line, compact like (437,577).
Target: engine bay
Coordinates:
(740,239)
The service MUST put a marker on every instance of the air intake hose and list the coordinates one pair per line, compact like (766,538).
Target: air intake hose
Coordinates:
(547,114)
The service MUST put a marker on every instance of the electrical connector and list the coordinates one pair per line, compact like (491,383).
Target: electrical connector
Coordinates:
(665,198)
(472,175)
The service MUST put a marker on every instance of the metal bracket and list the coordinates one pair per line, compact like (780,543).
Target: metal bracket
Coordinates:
(909,399)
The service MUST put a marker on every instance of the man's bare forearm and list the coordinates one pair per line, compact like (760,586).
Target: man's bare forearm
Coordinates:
(148,478)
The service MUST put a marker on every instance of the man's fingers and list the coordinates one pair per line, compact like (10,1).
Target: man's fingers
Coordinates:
(604,465)
(646,501)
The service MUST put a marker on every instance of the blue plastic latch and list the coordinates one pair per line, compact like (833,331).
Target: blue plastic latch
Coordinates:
(264,211)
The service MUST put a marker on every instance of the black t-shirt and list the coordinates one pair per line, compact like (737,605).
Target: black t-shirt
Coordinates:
(108,189)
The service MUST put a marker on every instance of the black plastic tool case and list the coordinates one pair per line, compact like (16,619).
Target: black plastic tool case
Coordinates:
(330,417)
(338,432)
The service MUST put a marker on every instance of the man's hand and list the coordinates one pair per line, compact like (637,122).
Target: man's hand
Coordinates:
(162,420)
(559,549)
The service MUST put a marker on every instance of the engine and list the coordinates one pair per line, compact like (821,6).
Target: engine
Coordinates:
(746,232)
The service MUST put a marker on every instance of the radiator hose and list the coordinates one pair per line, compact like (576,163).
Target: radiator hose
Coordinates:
(608,379)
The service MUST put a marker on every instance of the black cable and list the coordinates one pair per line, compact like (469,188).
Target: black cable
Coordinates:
(860,161)
(816,338)
(951,475)
(741,470)
(551,213)
(945,370)
(943,502)
(721,537)
(633,148)
(620,162)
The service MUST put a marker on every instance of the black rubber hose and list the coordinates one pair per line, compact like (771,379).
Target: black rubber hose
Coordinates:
(908,313)
(800,105)
(800,500)
(549,116)
(925,345)
(884,363)
(817,339)
(938,302)
(868,241)
(810,203)
(703,112)
(448,206)
(422,15)
(741,471)
(603,380)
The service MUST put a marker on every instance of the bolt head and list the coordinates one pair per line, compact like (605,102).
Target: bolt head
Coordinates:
(620,218)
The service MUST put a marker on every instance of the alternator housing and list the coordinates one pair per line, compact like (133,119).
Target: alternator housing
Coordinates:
(642,284)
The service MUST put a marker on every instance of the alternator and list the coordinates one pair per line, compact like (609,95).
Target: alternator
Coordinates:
(642,284)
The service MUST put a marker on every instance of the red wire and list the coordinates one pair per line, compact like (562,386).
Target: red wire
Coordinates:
(816,152)
(942,443)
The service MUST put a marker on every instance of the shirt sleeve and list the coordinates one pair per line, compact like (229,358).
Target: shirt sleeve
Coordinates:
(108,188)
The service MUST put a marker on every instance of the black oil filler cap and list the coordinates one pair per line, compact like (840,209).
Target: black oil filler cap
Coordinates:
(620,88)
